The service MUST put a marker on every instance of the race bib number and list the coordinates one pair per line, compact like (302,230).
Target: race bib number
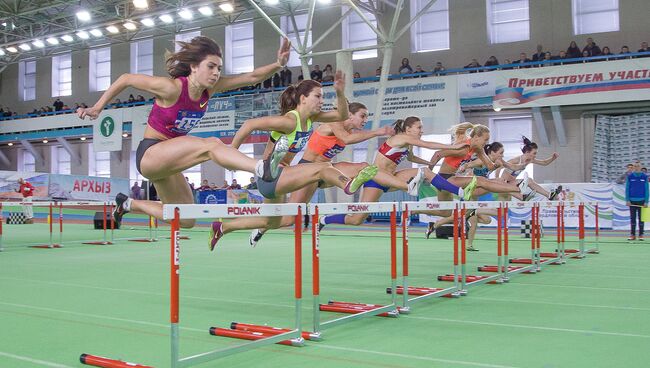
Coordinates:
(186,121)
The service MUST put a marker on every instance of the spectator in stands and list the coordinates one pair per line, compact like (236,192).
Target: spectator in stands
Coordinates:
(547,59)
(378,72)
(539,55)
(473,64)
(27,190)
(234,185)
(585,56)
(356,75)
(204,185)
(644,48)
(277,81)
(300,77)
(573,51)
(317,74)
(117,103)
(131,99)
(492,61)
(636,196)
(83,105)
(405,68)
(253,184)
(606,51)
(522,60)
(58,105)
(591,48)
(135,191)
(225,185)
(66,108)
(628,170)
(625,50)
(187,179)
(439,68)
(328,73)
(419,70)
(213,186)
(644,170)
(285,76)
(140,98)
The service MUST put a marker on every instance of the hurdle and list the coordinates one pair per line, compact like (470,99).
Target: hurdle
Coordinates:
(355,310)
(105,240)
(153,232)
(291,337)
(1,221)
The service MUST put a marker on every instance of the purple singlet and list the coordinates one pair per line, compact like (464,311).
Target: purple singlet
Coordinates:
(180,118)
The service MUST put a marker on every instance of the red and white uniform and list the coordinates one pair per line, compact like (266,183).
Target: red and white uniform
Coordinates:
(395,154)
(27,190)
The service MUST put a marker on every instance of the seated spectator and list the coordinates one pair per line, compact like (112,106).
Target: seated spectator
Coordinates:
(591,48)
(253,184)
(438,68)
(117,103)
(131,99)
(285,77)
(473,64)
(234,185)
(187,179)
(378,72)
(204,185)
(405,68)
(507,62)
(277,81)
(65,108)
(317,74)
(492,61)
(419,70)
(606,51)
(356,75)
(523,59)
(625,50)
(300,77)
(213,186)
(644,48)
(539,55)
(225,185)
(328,73)
(573,51)
(585,54)
(76,106)
(58,105)
(267,83)
(547,59)
(140,98)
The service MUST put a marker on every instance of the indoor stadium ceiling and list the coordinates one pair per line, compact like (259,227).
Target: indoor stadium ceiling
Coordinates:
(40,28)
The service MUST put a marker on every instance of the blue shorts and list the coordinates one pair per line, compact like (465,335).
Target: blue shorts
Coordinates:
(374,184)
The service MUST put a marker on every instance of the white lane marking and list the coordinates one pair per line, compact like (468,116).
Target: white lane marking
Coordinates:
(33,361)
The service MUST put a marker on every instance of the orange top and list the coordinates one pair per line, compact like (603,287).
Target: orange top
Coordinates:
(327,146)
(456,161)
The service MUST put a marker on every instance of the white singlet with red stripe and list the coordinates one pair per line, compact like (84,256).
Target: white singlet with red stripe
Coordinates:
(394,154)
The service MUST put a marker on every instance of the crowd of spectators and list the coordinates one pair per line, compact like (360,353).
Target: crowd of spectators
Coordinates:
(233,185)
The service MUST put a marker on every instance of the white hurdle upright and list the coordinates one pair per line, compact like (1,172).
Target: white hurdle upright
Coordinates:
(177,212)
(354,309)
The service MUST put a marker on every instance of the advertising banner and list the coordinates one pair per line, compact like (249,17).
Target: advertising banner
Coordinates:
(86,188)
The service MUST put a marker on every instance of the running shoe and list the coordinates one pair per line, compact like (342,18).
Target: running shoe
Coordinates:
(555,192)
(415,182)
(469,189)
(528,196)
(430,229)
(471,249)
(632,237)
(641,238)
(362,177)
(469,213)
(216,232)
(523,184)
(270,167)
(321,223)
(255,236)
(119,210)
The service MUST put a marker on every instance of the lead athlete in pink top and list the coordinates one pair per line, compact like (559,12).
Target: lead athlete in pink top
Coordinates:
(181,101)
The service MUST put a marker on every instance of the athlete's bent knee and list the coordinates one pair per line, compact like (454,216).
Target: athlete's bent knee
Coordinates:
(187,224)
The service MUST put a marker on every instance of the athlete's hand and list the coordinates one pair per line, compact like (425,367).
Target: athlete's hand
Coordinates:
(555,155)
(387,131)
(90,112)
(283,52)
(339,82)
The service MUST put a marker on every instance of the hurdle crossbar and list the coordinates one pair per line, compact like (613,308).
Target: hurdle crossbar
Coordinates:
(355,310)
(198,211)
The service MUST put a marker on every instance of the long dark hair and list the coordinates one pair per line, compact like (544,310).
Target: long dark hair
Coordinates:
(191,53)
(290,97)
(492,147)
(400,125)
(528,145)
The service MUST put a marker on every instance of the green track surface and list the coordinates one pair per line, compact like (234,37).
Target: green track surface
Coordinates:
(113,300)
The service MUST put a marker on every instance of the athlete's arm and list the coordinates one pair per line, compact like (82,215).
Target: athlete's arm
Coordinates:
(165,89)
(282,124)
(480,153)
(513,166)
(414,141)
(547,161)
(360,136)
(341,113)
(415,159)
(226,83)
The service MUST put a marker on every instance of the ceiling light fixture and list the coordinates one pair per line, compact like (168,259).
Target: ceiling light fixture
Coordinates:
(82,138)
(148,22)
(166,18)
(185,14)
(112,29)
(130,26)
(96,32)
(125,135)
(45,141)
(83,35)
(10,144)
(227,7)
(67,38)
(2,52)
(206,10)
(24,47)
(38,43)
(53,40)
(83,15)
(141,4)
(272,2)
(12,49)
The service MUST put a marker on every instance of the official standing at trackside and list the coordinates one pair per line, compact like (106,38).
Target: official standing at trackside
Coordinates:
(636,196)
(27,190)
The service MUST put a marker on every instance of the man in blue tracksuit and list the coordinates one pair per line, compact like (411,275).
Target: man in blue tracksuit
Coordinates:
(636,195)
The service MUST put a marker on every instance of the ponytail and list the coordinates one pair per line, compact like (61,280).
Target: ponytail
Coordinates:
(528,145)
(400,125)
(469,130)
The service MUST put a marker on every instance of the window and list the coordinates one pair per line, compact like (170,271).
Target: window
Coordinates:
(134,175)
(431,31)
(594,16)
(142,57)
(288,29)
(356,33)
(193,175)
(99,67)
(426,154)
(239,48)
(101,166)
(28,162)
(508,131)
(61,158)
(243,177)
(62,75)
(185,37)
(508,20)
(27,80)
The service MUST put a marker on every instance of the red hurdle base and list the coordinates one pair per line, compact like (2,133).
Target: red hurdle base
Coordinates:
(468,278)
(182,237)
(549,255)
(496,269)
(414,290)
(526,260)
(269,330)
(248,335)
(144,240)
(98,243)
(44,246)
(98,361)
(354,308)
